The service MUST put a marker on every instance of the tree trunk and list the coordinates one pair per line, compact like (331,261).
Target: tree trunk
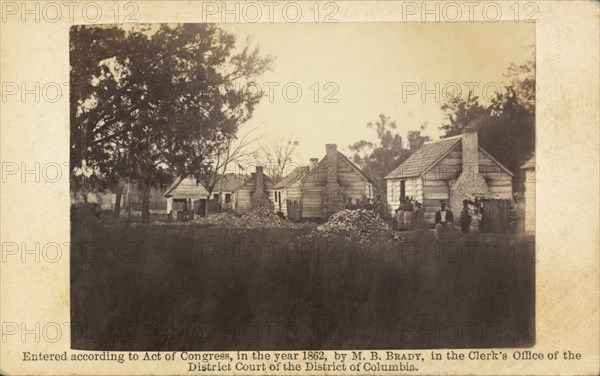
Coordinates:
(145,204)
(118,196)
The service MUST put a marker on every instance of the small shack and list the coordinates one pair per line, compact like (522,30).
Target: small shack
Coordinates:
(327,186)
(530,181)
(221,198)
(254,193)
(185,197)
(287,193)
(451,169)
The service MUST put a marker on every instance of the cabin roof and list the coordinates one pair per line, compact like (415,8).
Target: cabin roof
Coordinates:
(356,168)
(231,181)
(424,158)
(340,155)
(430,154)
(187,187)
(252,180)
(293,176)
(530,163)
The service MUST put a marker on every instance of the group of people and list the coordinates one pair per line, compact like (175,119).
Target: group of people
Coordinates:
(375,204)
(410,214)
(444,218)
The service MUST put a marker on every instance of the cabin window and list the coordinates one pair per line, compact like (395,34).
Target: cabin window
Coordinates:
(402,189)
(216,196)
(227,198)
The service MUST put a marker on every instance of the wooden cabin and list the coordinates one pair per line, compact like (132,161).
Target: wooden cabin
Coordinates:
(185,197)
(288,191)
(327,186)
(222,195)
(254,193)
(530,168)
(451,169)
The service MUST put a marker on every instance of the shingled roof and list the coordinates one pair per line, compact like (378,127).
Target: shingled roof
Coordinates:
(424,158)
(228,182)
(187,187)
(296,174)
(530,163)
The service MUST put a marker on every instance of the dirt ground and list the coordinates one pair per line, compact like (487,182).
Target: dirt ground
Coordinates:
(198,287)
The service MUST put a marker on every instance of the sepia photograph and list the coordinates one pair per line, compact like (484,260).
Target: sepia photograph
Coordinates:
(302,186)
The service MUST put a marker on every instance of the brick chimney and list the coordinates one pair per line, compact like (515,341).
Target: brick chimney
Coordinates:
(470,150)
(470,181)
(332,163)
(259,198)
(330,148)
(313,162)
(333,199)
(260,179)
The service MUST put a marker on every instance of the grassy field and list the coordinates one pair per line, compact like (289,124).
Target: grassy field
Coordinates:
(168,287)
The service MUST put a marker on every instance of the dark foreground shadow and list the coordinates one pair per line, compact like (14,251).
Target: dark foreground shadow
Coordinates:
(184,287)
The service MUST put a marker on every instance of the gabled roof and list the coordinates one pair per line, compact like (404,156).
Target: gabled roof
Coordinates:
(343,157)
(530,163)
(356,168)
(293,176)
(230,182)
(429,155)
(252,180)
(187,187)
(425,157)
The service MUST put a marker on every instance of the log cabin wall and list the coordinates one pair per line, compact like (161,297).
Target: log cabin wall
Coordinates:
(243,196)
(413,187)
(437,180)
(246,195)
(334,170)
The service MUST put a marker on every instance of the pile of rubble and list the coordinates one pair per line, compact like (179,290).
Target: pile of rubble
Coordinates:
(259,218)
(358,225)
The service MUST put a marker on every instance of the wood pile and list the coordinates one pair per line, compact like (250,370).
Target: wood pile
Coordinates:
(359,225)
(258,218)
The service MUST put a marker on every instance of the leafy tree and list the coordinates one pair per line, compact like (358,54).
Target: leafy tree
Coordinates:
(415,140)
(507,125)
(152,102)
(380,158)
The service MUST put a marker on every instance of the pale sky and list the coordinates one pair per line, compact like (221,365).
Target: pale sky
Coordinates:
(369,64)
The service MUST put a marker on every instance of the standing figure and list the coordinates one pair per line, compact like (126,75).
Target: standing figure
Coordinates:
(408,214)
(349,204)
(400,213)
(465,217)
(358,204)
(418,216)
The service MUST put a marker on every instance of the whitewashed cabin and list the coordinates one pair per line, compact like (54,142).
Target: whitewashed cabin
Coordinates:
(328,185)
(450,169)
(224,188)
(186,195)
(288,191)
(254,193)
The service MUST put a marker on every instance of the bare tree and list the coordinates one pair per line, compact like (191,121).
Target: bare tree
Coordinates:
(278,156)
(234,150)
